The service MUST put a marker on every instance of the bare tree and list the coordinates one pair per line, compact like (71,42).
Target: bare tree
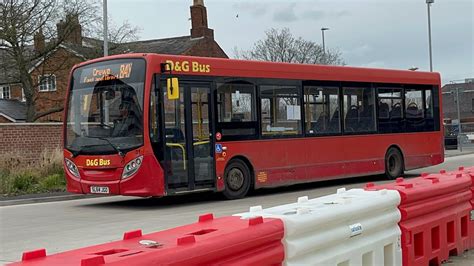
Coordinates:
(22,20)
(282,46)
(118,34)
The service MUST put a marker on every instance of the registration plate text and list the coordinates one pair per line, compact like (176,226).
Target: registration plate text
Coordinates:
(99,190)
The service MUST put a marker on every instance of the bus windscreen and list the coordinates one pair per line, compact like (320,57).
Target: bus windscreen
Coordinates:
(105,108)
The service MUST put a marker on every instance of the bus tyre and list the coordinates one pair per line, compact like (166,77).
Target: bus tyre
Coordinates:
(237,180)
(393,163)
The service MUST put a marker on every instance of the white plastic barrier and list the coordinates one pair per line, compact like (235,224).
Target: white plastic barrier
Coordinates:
(353,227)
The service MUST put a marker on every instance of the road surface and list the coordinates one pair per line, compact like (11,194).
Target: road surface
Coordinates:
(60,226)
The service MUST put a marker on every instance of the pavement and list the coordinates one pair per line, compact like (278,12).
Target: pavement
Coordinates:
(458,152)
(42,197)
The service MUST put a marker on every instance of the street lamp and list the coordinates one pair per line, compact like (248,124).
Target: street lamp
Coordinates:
(428,3)
(324,45)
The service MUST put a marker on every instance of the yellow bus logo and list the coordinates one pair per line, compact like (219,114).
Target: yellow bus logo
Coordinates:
(97,162)
(189,66)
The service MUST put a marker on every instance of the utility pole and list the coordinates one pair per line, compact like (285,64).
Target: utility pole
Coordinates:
(324,44)
(104,20)
(428,3)
(459,119)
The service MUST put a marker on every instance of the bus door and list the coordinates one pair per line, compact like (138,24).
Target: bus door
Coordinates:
(189,162)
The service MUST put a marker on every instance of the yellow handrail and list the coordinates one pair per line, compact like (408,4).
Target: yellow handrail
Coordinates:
(182,149)
(200,142)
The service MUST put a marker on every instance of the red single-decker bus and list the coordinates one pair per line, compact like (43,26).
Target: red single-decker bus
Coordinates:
(154,125)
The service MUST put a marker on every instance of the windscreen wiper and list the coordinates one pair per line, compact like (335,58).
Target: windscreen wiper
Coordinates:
(77,152)
(113,146)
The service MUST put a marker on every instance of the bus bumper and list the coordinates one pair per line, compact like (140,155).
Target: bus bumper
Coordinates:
(144,183)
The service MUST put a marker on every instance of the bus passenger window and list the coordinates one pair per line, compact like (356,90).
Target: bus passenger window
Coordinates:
(359,110)
(281,110)
(236,111)
(429,112)
(321,110)
(390,109)
(236,102)
(428,104)
(414,112)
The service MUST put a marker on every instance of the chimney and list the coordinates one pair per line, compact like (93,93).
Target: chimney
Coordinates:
(69,30)
(199,21)
(39,43)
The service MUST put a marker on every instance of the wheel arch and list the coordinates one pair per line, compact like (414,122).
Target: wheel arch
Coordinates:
(395,146)
(249,165)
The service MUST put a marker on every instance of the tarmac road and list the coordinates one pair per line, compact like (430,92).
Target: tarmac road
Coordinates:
(65,225)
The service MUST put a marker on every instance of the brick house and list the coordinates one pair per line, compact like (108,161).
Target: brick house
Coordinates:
(52,72)
(466,101)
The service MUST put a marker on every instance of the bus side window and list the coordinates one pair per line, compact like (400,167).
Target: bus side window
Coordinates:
(359,109)
(281,110)
(414,112)
(236,110)
(390,109)
(236,102)
(429,111)
(321,110)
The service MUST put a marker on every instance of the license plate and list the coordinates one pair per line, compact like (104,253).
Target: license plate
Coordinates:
(100,190)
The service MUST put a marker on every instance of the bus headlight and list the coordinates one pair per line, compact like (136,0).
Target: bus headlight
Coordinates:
(132,167)
(72,168)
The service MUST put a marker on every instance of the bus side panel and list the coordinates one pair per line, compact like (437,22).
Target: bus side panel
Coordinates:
(365,155)
(290,161)
(422,149)
(287,161)
(323,157)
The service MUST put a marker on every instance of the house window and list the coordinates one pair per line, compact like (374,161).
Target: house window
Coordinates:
(5,92)
(47,82)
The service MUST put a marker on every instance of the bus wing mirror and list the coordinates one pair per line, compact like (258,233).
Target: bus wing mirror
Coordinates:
(172,85)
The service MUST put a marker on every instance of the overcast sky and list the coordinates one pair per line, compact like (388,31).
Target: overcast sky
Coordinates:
(371,33)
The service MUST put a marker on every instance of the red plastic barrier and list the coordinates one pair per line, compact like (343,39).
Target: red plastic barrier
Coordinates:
(469,171)
(435,211)
(223,241)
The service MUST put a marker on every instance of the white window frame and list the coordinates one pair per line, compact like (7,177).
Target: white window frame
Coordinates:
(48,85)
(3,89)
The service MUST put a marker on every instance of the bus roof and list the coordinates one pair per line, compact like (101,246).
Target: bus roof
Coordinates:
(206,66)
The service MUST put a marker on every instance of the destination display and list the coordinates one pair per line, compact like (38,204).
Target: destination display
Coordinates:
(106,72)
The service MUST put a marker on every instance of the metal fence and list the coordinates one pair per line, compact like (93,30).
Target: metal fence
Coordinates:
(464,136)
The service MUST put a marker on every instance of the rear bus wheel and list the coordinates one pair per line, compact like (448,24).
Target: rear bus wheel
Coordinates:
(237,180)
(393,163)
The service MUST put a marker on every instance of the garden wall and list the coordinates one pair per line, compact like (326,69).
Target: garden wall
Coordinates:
(29,140)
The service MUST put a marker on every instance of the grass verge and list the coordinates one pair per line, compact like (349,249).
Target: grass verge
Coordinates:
(45,175)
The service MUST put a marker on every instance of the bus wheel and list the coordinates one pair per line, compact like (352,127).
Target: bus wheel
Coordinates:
(237,180)
(393,163)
